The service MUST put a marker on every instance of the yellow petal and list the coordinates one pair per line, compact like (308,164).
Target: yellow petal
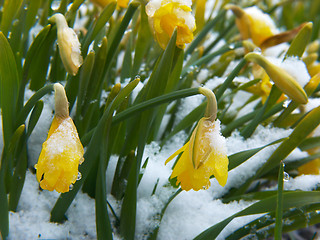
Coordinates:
(182,149)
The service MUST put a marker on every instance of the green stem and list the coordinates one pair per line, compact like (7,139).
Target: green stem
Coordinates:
(211,110)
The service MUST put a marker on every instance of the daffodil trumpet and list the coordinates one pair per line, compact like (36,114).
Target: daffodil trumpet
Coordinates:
(69,45)
(167,15)
(204,154)
(283,80)
(62,152)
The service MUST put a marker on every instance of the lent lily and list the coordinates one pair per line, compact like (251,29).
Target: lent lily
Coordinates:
(104,3)
(69,45)
(204,154)
(62,152)
(259,27)
(282,79)
(166,15)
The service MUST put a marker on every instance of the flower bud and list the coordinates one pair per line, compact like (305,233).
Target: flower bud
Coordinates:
(205,154)
(253,23)
(281,78)
(69,45)
(62,152)
(166,15)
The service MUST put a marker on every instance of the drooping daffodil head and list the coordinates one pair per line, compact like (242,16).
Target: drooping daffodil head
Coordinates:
(104,3)
(167,15)
(62,152)
(285,81)
(203,156)
(69,45)
(253,24)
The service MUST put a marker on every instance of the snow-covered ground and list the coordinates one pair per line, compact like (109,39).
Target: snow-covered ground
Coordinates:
(188,214)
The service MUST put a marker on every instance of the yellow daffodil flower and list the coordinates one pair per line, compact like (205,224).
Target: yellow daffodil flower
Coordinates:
(253,24)
(167,15)
(281,78)
(104,3)
(259,27)
(62,152)
(69,45)
(204,154)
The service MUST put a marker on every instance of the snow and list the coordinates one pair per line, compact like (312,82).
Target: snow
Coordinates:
(295,67)
(188,214)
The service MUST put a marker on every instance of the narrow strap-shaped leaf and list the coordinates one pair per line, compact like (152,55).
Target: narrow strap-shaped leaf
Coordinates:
(300,42)
(19,173)
(271,100)
(169,97)
(118,35)
(278,227)
(301,131)
(10,9)
(34,117)
(291,199)
(143,42)
(209,57)
(32,52)
(100,23)
(104,230)
(32,102)
(155,87)
(4,208)
(209,26)
(240,157)
(40,58)
(230,78)
(9,83)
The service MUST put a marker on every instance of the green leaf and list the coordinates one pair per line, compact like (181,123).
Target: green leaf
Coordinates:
(271,100)
(300,42)
(240,157)
(100,23)
(9,11)
(104,231)
(24,112)
(206,59)
(143,42)
(19,173)
(209,26)
(230,78)
(34,117)
(9,82)
(85,73)
(40,53)
(155,87)
(279,211)
(290,200)
(32,52)
(4,209)
(112,48)
(127,60)
(301,132)
(310,143)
